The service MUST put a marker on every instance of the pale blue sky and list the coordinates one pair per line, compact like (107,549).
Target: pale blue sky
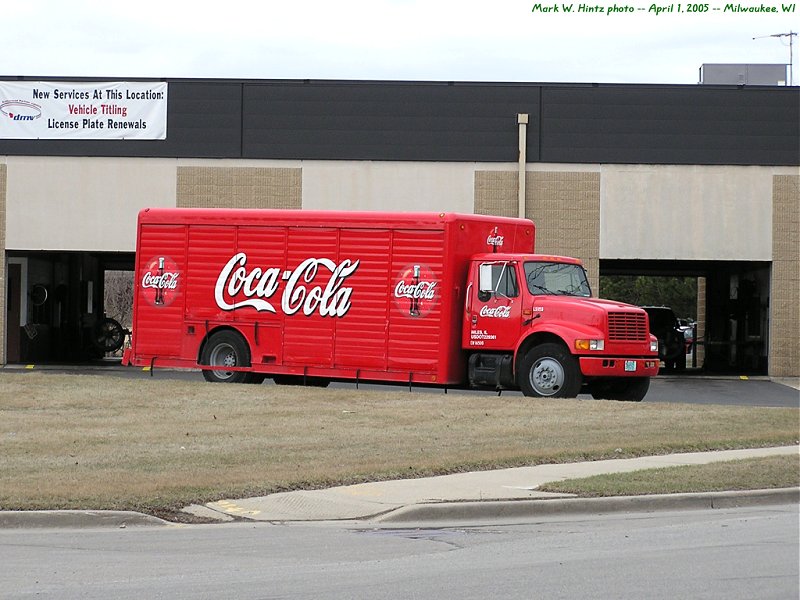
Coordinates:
(467,40)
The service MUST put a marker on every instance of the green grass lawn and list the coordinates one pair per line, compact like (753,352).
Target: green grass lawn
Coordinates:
(83,441)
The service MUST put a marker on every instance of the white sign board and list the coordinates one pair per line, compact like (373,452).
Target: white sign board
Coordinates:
(47,110)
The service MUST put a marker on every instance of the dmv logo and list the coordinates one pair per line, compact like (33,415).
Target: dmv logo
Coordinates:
(20,110)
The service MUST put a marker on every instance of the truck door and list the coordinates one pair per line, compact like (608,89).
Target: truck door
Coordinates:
(493,312)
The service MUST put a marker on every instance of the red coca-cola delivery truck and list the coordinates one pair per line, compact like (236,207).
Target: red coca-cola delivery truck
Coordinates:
(420,298)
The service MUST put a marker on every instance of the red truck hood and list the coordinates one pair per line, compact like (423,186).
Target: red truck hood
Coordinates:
(576,309)
(608,304)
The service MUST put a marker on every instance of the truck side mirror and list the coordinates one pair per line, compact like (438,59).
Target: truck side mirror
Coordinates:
(485,285)
(485,279)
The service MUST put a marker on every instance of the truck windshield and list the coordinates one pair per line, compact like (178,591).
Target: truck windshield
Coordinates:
(556,279)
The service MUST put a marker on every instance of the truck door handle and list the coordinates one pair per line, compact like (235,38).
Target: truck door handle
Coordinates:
(527,322)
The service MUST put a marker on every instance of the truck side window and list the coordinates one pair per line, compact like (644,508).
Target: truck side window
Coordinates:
(497,279)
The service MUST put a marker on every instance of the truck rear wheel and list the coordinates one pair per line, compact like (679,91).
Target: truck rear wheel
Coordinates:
(627,389)
(299,380)
(549,371)
(227,349)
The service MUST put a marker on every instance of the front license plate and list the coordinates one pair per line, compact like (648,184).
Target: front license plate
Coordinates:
(630,365)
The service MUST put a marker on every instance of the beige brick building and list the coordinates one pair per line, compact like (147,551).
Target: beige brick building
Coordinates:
(658,194)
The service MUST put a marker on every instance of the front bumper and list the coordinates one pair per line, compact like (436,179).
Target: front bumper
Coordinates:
(606,366)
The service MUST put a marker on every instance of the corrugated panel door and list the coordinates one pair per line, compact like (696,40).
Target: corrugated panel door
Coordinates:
(416,310)
(160,288)
(210,249)
(308,335)
(264,250)
(361,335)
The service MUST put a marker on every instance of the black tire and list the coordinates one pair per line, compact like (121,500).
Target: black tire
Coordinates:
(227,349)
(298,380)
(549,371)
(626,389)
(672,351)
(318,382)
(108,335)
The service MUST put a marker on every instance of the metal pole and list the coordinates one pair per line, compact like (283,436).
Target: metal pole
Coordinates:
(790,35)
(522,121)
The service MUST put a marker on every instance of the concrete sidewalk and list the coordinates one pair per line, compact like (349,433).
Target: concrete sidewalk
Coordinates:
(467,495)
(449,499)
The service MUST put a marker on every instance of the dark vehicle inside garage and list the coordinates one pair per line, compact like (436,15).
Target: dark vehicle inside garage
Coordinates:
(671,341)
(57,300)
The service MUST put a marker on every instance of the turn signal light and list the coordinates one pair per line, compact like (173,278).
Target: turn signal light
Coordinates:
(589,344)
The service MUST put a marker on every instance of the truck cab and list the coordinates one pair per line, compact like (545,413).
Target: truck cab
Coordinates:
(530,322)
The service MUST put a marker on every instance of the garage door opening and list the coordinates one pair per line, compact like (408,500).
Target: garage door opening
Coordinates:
(730,321)
(57,306)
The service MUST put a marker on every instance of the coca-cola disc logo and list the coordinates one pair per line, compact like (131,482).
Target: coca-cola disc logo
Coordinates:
(160,281)
(495,239)
(416,291)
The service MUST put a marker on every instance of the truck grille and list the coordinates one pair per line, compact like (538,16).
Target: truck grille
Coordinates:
(627,327)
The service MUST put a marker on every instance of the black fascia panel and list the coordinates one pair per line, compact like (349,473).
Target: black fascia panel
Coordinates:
(671,125)
(203,121)
(440,121)
(387,121)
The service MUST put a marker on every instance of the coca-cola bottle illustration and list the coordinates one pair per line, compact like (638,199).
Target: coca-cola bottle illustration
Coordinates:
(414,310)
(160,286)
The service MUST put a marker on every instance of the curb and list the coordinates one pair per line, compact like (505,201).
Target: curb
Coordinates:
(510,509)
(63,519)
(442,512)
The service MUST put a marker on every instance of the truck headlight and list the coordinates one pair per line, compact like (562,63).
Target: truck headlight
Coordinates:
(653,345)
(590,344)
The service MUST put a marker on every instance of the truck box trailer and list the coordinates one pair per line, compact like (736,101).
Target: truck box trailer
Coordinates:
(420,298)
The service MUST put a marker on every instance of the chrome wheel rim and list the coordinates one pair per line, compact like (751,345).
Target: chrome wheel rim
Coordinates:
(547,376)
(223,355)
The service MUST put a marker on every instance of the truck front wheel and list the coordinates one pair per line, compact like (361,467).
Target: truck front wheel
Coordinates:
(627,389)
(549,370)
(227,349)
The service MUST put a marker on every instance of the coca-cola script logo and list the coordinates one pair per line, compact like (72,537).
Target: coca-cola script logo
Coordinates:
(160,281)
(258,285)
(496,312)
(416,291)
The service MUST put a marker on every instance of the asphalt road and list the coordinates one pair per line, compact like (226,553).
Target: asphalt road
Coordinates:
(691,389)
(732,554)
